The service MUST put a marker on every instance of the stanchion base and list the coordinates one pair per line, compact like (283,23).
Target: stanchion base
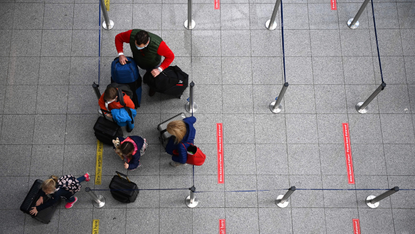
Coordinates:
(104,25)
(275,110)
(371,205)
(354,26)
(281,204)
(363,110)
(192,24)
(191,204)
(99,204)
(270,27)
(187,107)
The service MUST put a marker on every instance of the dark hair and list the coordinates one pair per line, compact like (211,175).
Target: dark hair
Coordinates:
(127,148)
(110,93)
(141,37)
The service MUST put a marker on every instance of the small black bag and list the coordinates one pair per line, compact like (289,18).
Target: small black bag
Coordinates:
(107,130)
(172,81)
(122,189)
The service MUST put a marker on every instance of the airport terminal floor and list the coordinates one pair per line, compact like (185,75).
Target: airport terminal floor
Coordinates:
(276,116)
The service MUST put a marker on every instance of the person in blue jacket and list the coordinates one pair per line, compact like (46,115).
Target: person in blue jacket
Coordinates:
(183,134)
(132,148)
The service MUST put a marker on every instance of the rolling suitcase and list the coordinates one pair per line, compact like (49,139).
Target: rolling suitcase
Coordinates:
(172,81)
(128,74)
(122,189)
(164,135)
(43,216)
(107,130)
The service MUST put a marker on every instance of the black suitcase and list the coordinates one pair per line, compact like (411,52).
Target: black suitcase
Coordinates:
(43,216)
(164,135)
(172,81)
(122,189)
(107,130)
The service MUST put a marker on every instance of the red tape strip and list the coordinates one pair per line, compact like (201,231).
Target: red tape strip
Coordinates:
(219,140)
(348,152)
(356,226)
(222,226)
(217,4)
(333,5)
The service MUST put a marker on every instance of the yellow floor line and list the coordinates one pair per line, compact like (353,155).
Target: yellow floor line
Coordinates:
(107,4)
(98,167)
(95,226)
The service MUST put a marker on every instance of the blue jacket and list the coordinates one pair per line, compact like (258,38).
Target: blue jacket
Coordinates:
(135,159)
(55,197)
(121,116)
(188,138)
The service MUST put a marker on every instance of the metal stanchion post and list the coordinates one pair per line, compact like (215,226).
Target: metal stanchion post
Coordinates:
(373,201)
(353,23)
(191,200)
(275,106)
(97,92)
(362,107)
(282,200)
(98,201)
(271,24)
(189,16)
(107,24)
(190,106)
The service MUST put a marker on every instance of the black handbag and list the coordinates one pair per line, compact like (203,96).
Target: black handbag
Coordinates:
(122,189)
(172,81)
(106,130)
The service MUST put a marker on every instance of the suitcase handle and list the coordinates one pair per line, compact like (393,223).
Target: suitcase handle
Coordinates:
(121,174)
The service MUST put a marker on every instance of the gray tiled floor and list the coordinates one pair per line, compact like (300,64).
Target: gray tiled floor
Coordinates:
(49,59)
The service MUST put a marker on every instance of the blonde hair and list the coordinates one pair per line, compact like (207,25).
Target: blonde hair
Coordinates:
(178,129)
(49,185)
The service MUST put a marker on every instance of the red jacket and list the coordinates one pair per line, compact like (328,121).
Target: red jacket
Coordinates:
(163,49)
(116,105)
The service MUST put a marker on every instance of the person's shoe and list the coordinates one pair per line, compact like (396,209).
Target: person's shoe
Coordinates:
(70,204)
(87,177)
(151,92)
(128,128)
(176,164)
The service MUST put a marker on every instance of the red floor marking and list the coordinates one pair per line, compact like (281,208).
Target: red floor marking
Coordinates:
(217,4)
(348,152)
(333,5)
(222,226)
(356,226)
(219,140)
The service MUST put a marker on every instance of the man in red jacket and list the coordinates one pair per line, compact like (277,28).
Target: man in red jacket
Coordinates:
(147,50)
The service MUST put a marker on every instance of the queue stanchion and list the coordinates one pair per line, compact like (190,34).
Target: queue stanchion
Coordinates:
(189,23)
(96,90)
(107,24)
(275,106)
(282,200)
(98,201)
(353,23)
(373,201)
(191,200)
(191,106)
(271,24)
(362,107)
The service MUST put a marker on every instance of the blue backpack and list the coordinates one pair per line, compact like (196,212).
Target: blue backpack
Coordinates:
(124,74)
(127,74)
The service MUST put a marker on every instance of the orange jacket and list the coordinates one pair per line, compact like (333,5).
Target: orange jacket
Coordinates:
(116,105)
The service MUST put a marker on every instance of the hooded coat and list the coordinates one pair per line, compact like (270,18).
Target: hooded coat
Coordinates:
(181,147)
